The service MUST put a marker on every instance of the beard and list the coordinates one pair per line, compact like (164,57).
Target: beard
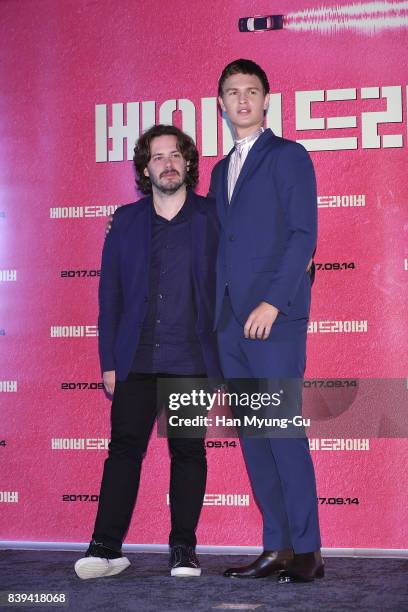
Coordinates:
(168,187)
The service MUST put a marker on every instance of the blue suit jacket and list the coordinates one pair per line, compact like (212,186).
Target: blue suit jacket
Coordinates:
(269,230)
(123,287)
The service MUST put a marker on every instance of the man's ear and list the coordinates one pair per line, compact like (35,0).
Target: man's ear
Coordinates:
(146,172)
(266,102)
(221,103)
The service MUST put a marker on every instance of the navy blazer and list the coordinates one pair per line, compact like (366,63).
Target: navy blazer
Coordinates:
(269,230)
(123,287)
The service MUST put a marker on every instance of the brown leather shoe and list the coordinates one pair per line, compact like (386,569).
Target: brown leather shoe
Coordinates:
(269,562)
(304,567)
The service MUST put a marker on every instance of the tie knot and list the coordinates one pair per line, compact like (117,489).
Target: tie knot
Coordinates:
(239,147)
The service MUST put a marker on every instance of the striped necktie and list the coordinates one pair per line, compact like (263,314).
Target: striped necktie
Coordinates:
(236,165)
(238,158)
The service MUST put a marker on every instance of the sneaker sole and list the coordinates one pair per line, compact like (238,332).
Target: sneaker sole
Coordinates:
(96,567)
(185,572)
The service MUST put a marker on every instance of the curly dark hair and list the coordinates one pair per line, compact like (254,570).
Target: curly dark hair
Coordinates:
(142,155)
(243,66)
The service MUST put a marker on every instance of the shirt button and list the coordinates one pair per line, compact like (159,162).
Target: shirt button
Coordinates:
(231,237)
(158,321)
(160,296)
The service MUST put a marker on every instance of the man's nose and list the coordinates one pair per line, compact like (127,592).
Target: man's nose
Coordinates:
(242,98)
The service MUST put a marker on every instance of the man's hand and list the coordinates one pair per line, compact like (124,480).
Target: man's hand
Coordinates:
(109,381)
(108,226)
(260,321)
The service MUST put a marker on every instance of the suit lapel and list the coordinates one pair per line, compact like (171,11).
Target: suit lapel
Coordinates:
(225,180)
(198,230)
(139,239)
(251,162)
(222,189)
(198,240)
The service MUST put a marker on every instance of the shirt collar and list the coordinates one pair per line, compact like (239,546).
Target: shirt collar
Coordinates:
(183,214)
(249,140)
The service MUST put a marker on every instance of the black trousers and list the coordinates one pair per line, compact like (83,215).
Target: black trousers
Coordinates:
(134,410)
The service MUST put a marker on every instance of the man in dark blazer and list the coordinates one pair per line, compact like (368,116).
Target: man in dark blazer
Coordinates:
(156,307)
(266,200)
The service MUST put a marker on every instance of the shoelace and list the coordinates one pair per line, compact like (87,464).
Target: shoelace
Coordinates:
(187,552)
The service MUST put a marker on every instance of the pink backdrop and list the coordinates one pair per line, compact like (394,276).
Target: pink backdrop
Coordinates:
(80,80)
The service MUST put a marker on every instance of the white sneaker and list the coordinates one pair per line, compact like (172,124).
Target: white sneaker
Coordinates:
(100,561)
(96,567)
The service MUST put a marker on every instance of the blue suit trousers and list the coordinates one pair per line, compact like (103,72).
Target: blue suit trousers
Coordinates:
(280,469)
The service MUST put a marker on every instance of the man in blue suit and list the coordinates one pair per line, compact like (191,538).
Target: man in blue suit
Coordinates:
(266,200)
(156,319)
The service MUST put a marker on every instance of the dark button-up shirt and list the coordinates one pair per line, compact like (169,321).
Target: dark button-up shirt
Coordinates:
(168,341)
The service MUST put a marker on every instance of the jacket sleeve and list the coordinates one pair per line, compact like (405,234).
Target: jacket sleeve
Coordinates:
(110,297)
(296,185)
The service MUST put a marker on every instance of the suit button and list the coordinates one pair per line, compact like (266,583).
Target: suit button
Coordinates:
(231,237)
(146,299)
(289,303)
(160,296)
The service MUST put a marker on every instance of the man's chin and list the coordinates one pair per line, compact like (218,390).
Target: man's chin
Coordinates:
(170,189)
